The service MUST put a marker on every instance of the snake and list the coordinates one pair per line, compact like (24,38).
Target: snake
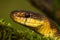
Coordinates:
(37,22)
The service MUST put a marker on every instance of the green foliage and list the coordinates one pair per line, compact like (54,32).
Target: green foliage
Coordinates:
(8,33)
(2,22)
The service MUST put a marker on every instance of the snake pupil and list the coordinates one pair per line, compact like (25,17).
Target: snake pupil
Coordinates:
(27,15)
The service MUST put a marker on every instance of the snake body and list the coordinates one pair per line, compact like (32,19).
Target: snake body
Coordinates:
(40,23)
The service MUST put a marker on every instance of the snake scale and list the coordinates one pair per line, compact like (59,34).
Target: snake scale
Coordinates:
(38,22)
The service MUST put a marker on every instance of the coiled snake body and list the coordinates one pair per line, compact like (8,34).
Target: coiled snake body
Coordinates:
(37,22)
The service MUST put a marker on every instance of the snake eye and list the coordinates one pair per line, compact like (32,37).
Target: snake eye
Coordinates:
(27,15)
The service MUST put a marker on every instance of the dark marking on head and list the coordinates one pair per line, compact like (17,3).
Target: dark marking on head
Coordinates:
(27,15)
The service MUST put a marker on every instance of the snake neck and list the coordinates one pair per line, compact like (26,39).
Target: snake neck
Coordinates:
(46,29)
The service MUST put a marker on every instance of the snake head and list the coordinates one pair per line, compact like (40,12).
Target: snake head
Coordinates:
(27,18)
